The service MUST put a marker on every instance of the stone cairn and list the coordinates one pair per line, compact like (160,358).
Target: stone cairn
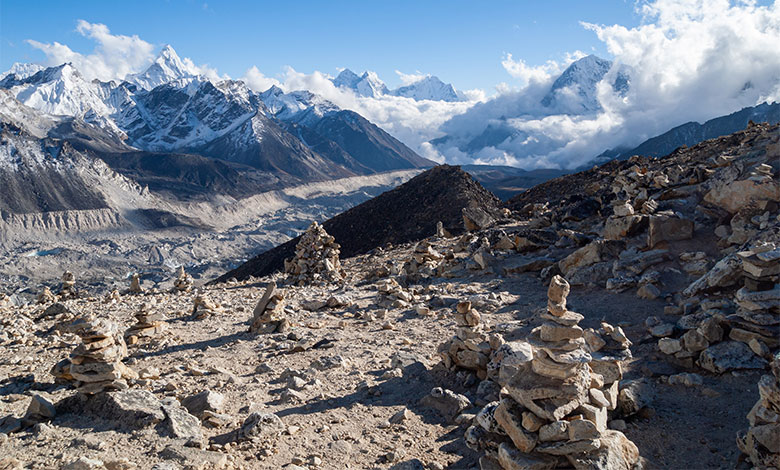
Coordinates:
(183,282)
(761,442)
(68,286)
(204,307)
(96,364)
(316,258)
(470,348)
(268,316)
(135,284)
(148,324)
(45,297)
(757,319)
(557,392)
(721,341)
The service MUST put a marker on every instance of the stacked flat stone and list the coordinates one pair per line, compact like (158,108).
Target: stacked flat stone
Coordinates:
(183,282)
(470,347)
(68,286)
(720,341)
(95,365)
(761,442)
(204,307)
(554,405)
(757,319)
(135,284)
(425,259)
(148,324)
(316,258)
(269,316)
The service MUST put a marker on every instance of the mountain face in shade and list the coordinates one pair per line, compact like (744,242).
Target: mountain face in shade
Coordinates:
(407,213)
(692,133)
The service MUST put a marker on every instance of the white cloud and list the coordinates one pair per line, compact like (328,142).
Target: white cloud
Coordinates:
(114,56)
(689,60)
(409,78)
(255,79)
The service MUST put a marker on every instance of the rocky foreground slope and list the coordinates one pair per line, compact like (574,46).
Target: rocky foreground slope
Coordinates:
(617,318)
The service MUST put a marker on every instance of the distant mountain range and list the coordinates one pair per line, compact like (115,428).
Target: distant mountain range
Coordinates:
(370,85)
(265,140)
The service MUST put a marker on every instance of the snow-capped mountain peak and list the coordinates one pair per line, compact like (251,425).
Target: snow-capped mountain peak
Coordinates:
(22,71)
(428,88)
(575,90)
(369,84)
(166,68)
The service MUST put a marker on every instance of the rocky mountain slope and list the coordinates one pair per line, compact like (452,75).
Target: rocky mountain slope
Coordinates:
(692,133)
(623,317)
(407,213)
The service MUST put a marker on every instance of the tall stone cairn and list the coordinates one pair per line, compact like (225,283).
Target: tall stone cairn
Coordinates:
(316,258)
(761,442)
(554,405)
(96,364)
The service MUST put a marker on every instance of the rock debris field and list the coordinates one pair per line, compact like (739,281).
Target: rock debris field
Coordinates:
(625,317)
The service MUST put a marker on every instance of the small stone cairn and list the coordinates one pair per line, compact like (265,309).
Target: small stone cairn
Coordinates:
(316,258)
(148,324)
(556,397)
(204,307)
(68,286)
(268,316)
(135,284)
(46,296)
(183,282)
(96,365)
(470,348)
(761,442)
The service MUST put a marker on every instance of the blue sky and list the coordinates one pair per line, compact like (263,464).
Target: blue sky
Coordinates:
(462,42)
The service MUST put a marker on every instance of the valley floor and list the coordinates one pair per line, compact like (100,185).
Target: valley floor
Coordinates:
(339,376)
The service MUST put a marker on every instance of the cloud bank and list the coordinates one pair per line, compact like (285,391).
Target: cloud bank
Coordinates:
(689,60)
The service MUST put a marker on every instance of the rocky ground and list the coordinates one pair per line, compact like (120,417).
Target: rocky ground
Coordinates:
(344,366)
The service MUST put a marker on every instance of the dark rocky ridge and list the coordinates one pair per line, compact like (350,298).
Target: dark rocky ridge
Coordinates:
(407,213)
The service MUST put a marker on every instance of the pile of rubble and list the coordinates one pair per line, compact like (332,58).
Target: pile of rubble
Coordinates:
(393,295)
(424,262)
(183,281)
(316,258)
(556,397)
(761,442)
(269,315)
(96,365)
(148,324)
(726,334)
